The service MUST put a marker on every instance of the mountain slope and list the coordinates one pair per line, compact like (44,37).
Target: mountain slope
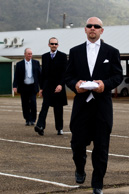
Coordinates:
(29,14)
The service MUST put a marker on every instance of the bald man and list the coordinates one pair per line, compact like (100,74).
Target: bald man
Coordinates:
(92,114)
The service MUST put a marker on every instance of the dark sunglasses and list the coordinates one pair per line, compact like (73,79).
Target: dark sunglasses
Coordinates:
(53,43)
(96,26)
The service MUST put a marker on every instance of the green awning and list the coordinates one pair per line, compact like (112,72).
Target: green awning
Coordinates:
(4,59)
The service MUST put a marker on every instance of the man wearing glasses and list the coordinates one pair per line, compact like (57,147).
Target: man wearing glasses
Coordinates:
(52,87)
(94,69)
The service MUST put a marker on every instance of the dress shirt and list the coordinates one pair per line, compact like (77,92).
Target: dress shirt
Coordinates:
(29,79)
(92,53)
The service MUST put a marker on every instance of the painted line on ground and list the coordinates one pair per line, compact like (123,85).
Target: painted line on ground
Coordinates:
(120,136)
(126,137)
(58,147)
(39,180)
(10,106)
(36,144)
(68,132)
(7,110)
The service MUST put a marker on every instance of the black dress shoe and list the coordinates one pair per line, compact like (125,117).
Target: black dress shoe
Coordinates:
(60,132)
(39,130)
(80,178)
(32,122)
(27,123)
(97,191)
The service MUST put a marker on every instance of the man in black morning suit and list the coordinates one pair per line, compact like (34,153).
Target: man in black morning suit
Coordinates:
(26,82)
(52,87)
(92,114)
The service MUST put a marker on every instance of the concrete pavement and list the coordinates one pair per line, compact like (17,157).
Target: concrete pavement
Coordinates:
(119,190)
(26,154)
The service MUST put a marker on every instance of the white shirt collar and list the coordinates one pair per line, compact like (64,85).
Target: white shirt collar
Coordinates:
(27,61)
(97,42)
(53,52)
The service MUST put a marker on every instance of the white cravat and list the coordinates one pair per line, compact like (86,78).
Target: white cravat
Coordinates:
(91,57)
(92,52)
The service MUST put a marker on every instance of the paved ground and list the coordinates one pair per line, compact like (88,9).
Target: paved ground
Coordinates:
(31,164)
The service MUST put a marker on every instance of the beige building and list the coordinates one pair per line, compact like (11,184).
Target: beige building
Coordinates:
(15,42)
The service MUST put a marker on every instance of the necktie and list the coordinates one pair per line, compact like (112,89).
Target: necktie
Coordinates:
(52,55)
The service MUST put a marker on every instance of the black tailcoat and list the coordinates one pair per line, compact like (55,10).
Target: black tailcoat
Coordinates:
(107,68)
(53,75)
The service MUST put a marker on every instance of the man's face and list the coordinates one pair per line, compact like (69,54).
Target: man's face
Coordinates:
(53,44)
(28,54)
(93,29)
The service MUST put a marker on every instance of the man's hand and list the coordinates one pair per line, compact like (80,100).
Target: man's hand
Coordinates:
(41,93)
(58,89)
(80,90)
(100,89)
(15,90)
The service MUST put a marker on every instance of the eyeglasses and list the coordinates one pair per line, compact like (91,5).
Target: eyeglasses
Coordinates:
(53,43)
(96,26)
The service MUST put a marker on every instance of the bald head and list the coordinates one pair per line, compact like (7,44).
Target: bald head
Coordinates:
(94,19)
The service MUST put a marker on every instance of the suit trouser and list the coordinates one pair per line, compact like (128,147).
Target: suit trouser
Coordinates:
(58,115)
(29,106)
(99,133)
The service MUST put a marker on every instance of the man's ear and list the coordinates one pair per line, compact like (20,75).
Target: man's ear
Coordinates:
(102,29)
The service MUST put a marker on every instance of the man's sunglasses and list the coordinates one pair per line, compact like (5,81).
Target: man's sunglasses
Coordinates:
(96,26)
(53,43)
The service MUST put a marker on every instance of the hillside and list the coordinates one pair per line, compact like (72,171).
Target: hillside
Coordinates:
(29,14)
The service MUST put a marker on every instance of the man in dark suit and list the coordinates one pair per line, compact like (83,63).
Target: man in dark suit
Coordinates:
(26,82)
(52,87)
(92,115)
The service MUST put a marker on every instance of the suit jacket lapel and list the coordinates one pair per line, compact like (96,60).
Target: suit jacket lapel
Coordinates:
(23,67)
(33,67)
(46,62)
(100,58)
(83,58)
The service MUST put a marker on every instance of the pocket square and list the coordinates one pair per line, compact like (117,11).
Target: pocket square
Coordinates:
(106,61)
